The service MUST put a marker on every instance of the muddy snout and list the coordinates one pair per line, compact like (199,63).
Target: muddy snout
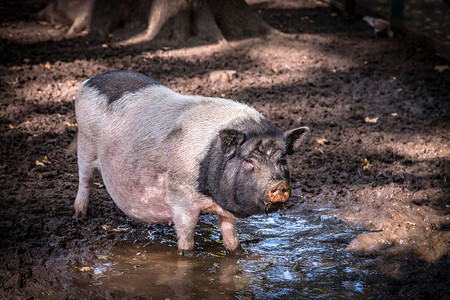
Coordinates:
(279,193)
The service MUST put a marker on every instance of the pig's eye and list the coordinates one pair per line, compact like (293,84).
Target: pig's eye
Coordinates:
(249,164)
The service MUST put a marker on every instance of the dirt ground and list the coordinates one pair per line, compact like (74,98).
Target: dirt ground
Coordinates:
(381,104)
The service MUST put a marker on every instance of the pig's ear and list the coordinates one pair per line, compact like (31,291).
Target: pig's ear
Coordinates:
(230,140)
(294,138)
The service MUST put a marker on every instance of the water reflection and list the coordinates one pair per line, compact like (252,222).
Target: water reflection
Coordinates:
(164,274)
(289,254)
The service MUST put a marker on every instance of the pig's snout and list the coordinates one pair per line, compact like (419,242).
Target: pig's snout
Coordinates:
(279,193)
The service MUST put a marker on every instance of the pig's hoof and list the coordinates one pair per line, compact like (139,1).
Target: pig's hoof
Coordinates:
(239,251)
(186,253)
(79,215)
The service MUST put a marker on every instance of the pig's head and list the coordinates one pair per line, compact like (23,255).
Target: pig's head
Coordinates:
(245,170)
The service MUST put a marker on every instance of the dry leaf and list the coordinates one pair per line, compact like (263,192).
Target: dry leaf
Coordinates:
(11,126)
(2,166)
(322,141)
(275,70)
(102,256)
(83,269)
(71,124)
(366,164)
(99,184)
(120,229)
(104,45)
(106,227)
(46,161)
(45,23)
(48,65)
(369,120)
(320,150)
(39,163)
(394,114)
(441,68)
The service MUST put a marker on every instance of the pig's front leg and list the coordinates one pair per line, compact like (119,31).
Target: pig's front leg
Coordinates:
(185,225)
(228,226)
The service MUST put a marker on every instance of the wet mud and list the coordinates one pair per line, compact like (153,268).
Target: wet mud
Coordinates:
(369,212)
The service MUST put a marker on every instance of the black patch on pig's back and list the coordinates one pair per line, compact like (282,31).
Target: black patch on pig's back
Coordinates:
(115,83)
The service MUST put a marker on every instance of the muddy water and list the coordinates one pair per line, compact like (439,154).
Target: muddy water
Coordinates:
(288,254)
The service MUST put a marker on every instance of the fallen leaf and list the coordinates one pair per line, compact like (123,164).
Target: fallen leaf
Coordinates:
(120,229)
(322,141)
(16,81)
(99,184)
(11,126)
(48,65)
(58,26)
(106,227)
(46,161)
(369,120)
(102,256)
(71,124)
(366,164)
(83,269)
(2,166)
(104,45)
(275,70)
(441,68)
(394,114)
(216,254)
(320,150)
(45,23)
(39,163)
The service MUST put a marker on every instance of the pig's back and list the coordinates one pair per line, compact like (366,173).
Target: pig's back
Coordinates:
(128,110)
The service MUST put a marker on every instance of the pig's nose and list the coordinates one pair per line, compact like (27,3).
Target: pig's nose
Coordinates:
(279,193)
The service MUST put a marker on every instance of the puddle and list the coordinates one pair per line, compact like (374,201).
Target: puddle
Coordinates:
(289,254)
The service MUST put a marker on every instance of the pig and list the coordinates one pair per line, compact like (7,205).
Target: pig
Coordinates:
(168,157)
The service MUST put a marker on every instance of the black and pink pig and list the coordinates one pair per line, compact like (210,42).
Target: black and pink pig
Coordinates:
(167,157)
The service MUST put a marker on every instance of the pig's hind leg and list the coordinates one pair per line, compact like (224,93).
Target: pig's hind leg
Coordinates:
(86,168)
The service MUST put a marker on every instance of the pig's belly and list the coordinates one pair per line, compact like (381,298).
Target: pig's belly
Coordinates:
(142,197)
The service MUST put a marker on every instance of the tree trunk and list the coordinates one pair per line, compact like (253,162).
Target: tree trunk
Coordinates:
(173,20)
